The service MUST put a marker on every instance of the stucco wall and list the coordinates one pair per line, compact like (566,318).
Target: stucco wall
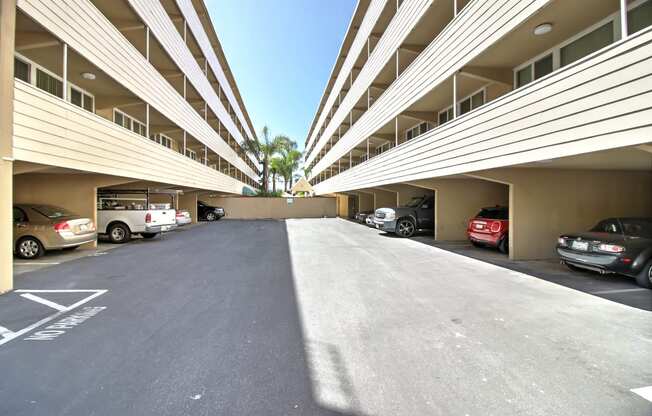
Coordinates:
(275,208)
(545,203)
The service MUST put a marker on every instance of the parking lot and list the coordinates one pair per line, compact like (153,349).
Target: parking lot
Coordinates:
(312,317)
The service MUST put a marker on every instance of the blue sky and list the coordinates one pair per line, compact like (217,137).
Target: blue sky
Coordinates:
(281,52)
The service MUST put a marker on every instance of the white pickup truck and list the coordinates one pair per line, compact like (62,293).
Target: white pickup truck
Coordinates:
(123,213)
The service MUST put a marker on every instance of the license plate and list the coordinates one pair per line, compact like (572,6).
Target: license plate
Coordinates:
(83,227)
(580,245)
(377,226)
(479,226)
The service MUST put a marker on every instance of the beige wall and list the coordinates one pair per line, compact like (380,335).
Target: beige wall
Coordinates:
(365,201)
(404,193)
(7,33)
(188,201)
(75,192)
(458,200)
(545,203)
(275,208)
(343,205)
(383,199)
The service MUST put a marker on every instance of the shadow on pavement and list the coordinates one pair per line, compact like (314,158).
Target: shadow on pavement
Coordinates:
(198,323)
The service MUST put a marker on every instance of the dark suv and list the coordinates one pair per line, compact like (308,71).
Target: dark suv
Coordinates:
(209,213)
(405,221)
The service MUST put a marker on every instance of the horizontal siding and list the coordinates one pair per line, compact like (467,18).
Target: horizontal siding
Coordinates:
(162,27)
(197,29)
(474,30)
(401,25)
(598,103)
(359,45)
(103,45)
(50,131)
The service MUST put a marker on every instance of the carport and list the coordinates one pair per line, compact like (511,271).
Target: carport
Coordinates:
(551,197)
(459,198)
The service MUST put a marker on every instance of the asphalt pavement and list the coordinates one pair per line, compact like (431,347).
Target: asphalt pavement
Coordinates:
(312,317)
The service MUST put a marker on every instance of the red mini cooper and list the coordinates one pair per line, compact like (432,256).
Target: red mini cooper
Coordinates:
(490,228)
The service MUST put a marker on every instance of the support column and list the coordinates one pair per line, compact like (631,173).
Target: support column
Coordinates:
(185,141)
(350,160)
(624,32)
(367,148)
(188,201)
(455,95)
(397,63)
(396,131)
(65,72)
(7,36)
(147,43)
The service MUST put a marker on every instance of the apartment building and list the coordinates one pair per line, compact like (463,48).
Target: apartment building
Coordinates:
(115,93)
(539,105)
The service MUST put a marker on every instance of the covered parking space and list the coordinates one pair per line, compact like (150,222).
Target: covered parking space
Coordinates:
(570,194)
(458,199)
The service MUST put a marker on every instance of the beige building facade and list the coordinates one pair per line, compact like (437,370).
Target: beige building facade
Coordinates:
(110,93)
(539,105)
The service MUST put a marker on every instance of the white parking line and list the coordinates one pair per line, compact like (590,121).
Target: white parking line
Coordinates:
(35,263)
(43,301)
(95,293)
(4,332)
(644,392)
(607,292)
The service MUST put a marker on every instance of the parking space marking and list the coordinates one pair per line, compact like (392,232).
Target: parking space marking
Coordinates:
(608,292)
(4,332)
(43,301)
(94,293)
(644,392)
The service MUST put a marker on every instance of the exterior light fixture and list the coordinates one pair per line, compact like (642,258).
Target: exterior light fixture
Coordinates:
(542,29)
(88,75)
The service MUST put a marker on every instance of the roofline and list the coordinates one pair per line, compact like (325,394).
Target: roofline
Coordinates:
(360,10)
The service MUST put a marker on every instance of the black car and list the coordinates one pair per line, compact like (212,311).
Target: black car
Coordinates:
(209,213)
(614,245)
(362,216)
(405,221)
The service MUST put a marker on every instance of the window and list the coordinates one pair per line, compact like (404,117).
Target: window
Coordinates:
(128,122)
(19,215)
(21,70)
(639,17)
(446,116)
(607,226)
(418,130)
(587,44)
(533,71)
(81,99)
(191,154)
(163,140)
(383,147)
(49,83)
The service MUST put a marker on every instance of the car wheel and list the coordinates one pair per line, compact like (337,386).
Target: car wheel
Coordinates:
(211,216)
(149,235)
(405,228)
(119,233)
(29,248)
(644,277)
(503,245)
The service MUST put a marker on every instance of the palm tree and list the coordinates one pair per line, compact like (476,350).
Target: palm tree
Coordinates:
(289,164)
(264,150)
(275,167)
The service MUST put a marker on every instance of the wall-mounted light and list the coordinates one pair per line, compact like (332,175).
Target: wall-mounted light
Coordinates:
(88,75)
(543,29)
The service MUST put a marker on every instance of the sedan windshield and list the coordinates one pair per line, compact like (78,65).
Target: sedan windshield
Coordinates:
(52,212)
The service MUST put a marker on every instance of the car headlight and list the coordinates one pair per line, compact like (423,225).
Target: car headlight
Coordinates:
(562,241)
(390,216)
